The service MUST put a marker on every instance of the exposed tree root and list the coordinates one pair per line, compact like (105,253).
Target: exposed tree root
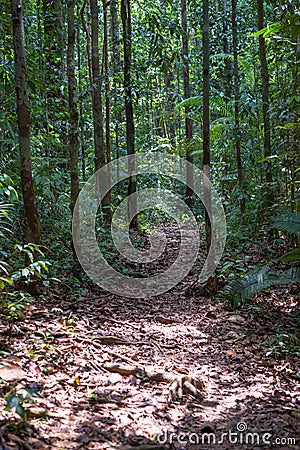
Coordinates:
(179,384)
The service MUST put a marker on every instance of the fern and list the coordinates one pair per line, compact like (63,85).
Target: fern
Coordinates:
(238,291)
(217,105)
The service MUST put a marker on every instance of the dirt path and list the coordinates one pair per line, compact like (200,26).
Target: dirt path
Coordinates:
(251,400)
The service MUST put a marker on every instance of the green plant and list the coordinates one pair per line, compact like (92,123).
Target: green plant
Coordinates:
(247,285)
(13,300)
(282,344)
(17,400)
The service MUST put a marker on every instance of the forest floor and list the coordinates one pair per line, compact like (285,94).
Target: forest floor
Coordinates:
(64,345)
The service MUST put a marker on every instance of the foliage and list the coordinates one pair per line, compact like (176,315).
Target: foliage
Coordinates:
(290,25)
(250,284)
(16,277)
(289,223)
(18,398)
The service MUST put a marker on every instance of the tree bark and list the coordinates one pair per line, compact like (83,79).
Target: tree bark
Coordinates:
(23,115)
(97,96)
(54,72)
(116,67)
(236,106)
(107,93)
(130,132)
(187,94)
(103,183)
(206,119)
(73,111)
(265,88)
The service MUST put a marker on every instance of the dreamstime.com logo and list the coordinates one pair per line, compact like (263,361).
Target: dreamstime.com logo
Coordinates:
(239,436)
(152,163)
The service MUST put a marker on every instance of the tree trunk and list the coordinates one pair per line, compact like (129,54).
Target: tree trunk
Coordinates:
(107,92)
(116,67)
(236,107)
(265,88)
(88,43)
(54,72)
(82,123)
(97,110)
(23,115)
(130,132)
(97,97)
(73,127)
(206,120)
(187,94)
(226,72)
(73,111)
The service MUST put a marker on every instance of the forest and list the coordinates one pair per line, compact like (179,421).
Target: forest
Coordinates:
(149,224)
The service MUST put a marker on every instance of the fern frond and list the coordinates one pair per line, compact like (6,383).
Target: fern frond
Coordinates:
(289,223)
(240,290)
(216,104)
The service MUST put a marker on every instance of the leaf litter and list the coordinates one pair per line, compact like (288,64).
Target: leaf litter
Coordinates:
(65,347)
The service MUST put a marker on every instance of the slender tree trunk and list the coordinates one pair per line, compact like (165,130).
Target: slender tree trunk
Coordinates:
(88,43)
(169,81)
(55,68)
(236,106)
(97,96)
(107,93)
(130,132)
(73,127)
(23,115)
(81,124)
(187,94)
(206,119)
(116,67)
(226,73)
(103,183)
(197,48)
(73,111)
(265,88)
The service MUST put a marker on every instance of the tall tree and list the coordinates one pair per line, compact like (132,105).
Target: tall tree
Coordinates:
(97,85)
(73,111)
(130,131)
(236,104)
(265,88)
(23,114)
(187,94)
(107,83)
(206,119)
(115,68)
(107,92)
(54,69)
(97,108)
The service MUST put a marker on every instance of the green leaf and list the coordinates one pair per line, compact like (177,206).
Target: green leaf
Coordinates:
(239,290)
(12,401)
(292,256)
(289,223)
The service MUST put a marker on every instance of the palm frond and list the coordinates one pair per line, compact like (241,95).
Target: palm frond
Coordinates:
(289,223)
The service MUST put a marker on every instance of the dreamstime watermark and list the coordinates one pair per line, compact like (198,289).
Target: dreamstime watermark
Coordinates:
(155,163)
(239,436)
